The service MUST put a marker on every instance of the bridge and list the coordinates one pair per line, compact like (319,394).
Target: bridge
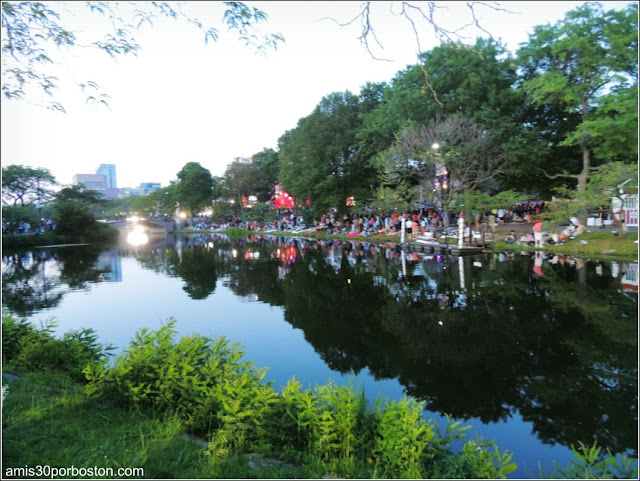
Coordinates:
(154,226)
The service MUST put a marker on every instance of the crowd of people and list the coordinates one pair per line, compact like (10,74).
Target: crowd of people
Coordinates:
(542,236)
(47,225)
(416,223)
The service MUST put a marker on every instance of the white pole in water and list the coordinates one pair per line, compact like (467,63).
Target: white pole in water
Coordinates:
(402,231)
(460,229)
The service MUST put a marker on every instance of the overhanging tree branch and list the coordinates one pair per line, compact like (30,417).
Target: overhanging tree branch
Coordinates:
(555,176)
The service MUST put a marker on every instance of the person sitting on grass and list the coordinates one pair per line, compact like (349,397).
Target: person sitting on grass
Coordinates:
(511,237)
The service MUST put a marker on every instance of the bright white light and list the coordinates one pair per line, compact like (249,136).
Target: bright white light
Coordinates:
(137,236)
(183,215)
(435,146)
(234,253)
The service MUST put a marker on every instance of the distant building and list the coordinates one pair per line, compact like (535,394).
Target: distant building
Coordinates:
(97,182)
(91,181)
(148,187)
(109,171)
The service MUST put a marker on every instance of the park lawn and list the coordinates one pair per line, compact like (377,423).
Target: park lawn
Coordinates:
(602,244)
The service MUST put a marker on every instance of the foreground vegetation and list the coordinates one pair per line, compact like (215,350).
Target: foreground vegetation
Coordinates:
(137,410)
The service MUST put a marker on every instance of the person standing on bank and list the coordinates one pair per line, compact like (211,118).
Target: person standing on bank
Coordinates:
(537,233)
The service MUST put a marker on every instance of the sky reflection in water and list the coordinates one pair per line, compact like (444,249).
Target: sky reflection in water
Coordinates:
(534,352)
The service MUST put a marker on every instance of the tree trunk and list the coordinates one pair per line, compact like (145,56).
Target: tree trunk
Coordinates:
(583,178)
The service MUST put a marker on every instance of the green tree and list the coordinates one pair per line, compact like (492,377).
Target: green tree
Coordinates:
(604,186)
(26,185)
(467,150)
(115,207)
(74,212)
(31,30)
(476,81)
(194,189)
(268,168)
(320,157)
(13,216)
(159,202)
(586,64)
(241,180)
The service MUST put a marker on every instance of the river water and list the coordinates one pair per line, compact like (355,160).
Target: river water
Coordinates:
(533,351)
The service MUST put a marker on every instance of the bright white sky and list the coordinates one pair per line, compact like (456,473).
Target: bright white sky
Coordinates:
(180,101)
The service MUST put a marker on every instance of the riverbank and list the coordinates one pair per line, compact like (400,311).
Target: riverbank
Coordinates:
(103,234)
(593,244)
(143,414)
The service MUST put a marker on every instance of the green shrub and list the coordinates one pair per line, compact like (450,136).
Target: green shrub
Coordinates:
(591,463)
(403,436)
(204,380)
(299,418)
(207,386)
(342,414)
(26,348)
(155,371)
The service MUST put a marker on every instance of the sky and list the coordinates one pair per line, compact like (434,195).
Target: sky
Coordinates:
(181,101)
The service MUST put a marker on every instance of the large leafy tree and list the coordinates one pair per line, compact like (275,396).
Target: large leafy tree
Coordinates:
(471,156)
(26,185)
(194,189)
(320,157)
(241,180)
(267,164)
(587,65)
(476,81)
(36,35)
(159,202)
(74,211)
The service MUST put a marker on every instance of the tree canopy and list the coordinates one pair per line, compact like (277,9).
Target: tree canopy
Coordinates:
(586,64)
(25,185)
(564,105)
(74,211)
(194,189)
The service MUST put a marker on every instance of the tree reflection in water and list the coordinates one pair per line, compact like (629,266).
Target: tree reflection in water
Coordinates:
(482,337)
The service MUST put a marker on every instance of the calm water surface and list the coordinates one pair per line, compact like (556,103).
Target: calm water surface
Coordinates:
(535,353)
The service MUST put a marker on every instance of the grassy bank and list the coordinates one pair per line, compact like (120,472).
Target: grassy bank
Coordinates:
(601,244)
(102,233)
(194,408)
(596,245)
